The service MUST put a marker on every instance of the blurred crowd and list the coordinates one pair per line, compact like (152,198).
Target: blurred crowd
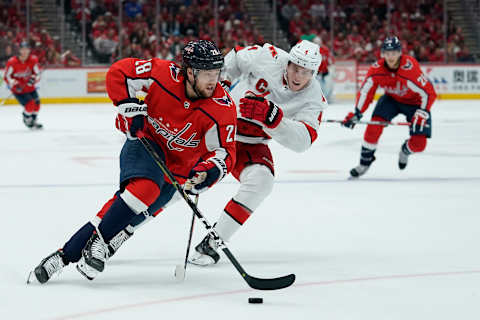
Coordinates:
(359,26)
(146,34)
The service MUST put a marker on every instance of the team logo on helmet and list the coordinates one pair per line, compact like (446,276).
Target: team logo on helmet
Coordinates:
(174,72)
(224,101)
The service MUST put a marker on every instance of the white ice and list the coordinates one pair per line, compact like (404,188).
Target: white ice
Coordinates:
(392,245)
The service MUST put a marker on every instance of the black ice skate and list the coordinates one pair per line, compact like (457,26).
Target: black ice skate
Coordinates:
(206,252)
(48,267)
(30,120)
(117,242)
(358,171)
(95,253)
(403,156)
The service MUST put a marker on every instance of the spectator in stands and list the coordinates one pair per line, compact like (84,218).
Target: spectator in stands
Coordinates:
(68,59)
(133,8)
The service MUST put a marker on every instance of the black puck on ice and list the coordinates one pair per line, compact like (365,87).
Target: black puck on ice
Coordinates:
(255,300)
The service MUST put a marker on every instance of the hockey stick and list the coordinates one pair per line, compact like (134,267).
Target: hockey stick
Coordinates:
(382,123)
(253,282)
(179,269)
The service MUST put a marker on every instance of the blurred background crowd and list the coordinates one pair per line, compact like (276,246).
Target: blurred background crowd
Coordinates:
(111,29)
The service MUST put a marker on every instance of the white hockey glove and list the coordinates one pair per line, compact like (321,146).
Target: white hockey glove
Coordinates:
(131,118)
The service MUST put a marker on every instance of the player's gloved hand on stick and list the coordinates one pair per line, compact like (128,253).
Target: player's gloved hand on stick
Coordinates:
(260,109)
(31,81)
(352,119)
(132,114)
(419,120)
(204,175)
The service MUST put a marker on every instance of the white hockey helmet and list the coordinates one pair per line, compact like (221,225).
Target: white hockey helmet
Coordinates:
(306,54)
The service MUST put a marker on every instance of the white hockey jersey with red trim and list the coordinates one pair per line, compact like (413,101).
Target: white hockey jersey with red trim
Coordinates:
(262,71)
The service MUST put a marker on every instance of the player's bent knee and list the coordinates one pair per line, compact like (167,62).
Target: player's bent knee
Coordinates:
(256,184)
(140,193)
(417,143)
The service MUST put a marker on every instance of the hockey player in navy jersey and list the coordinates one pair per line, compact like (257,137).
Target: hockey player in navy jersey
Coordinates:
(191,122)
(407,92)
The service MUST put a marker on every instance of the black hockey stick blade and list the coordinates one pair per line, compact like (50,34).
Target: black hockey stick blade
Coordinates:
(269,284)
(260,283)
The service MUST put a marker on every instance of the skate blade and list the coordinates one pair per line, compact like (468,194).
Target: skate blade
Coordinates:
(202,261)
(179,273)
(31,277)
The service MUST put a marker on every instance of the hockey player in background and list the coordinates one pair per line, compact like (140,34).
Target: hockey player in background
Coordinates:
(326,71)
(21,74)
(407,92)
(191,122)
(278,98)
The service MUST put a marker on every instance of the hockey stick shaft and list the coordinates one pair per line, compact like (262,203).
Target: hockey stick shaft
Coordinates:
(253,282)
(381,123)
(189,243)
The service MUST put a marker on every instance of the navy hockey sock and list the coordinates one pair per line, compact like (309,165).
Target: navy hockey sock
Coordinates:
(116,219)
(367,157)
(73,248)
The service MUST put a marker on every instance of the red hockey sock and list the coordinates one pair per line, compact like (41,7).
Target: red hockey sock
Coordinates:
(373,132)
(237,211)
(31,106)
(417,143)
(144,190)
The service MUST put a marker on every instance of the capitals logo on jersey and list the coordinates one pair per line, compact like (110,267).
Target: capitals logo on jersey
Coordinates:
(224,101)
(174,72)
(174,137)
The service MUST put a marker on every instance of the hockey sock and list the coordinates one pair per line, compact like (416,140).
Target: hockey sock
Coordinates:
(233,217)
(31,107)
(367,156)
(417,143)
(373,132)
(138,195)
(73,248)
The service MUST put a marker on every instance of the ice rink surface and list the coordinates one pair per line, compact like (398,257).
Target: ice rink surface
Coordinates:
(392,245)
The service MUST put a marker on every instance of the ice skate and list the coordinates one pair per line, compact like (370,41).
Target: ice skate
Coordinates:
(49,266)
(117,242)
(358,171)
(403,156)
(95,252)
(206,252)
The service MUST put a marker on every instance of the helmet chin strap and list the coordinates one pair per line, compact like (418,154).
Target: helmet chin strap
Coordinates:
(194,85)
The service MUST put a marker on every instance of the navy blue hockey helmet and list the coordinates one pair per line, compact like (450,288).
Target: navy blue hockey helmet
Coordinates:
(391,44)
(24,44)
(202,55)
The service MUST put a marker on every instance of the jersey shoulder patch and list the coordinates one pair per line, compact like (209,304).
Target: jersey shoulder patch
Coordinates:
(174,71)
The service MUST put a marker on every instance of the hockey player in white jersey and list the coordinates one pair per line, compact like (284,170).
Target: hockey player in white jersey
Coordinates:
(278,98)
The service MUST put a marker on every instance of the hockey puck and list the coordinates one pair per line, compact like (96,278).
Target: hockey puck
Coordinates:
(255,300)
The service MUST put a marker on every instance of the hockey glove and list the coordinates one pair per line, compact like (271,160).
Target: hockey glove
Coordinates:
(204,175)
(131,117)
(31,81)
(352,119)
(260,109)
(419,120)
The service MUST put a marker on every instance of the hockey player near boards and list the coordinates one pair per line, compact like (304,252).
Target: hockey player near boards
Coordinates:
(21,74)
(407,92)
(279,99)
(189,119)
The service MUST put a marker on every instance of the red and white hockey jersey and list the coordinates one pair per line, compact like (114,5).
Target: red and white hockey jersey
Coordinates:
(262,71)
(186,130)
(406,85)
(18,73)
